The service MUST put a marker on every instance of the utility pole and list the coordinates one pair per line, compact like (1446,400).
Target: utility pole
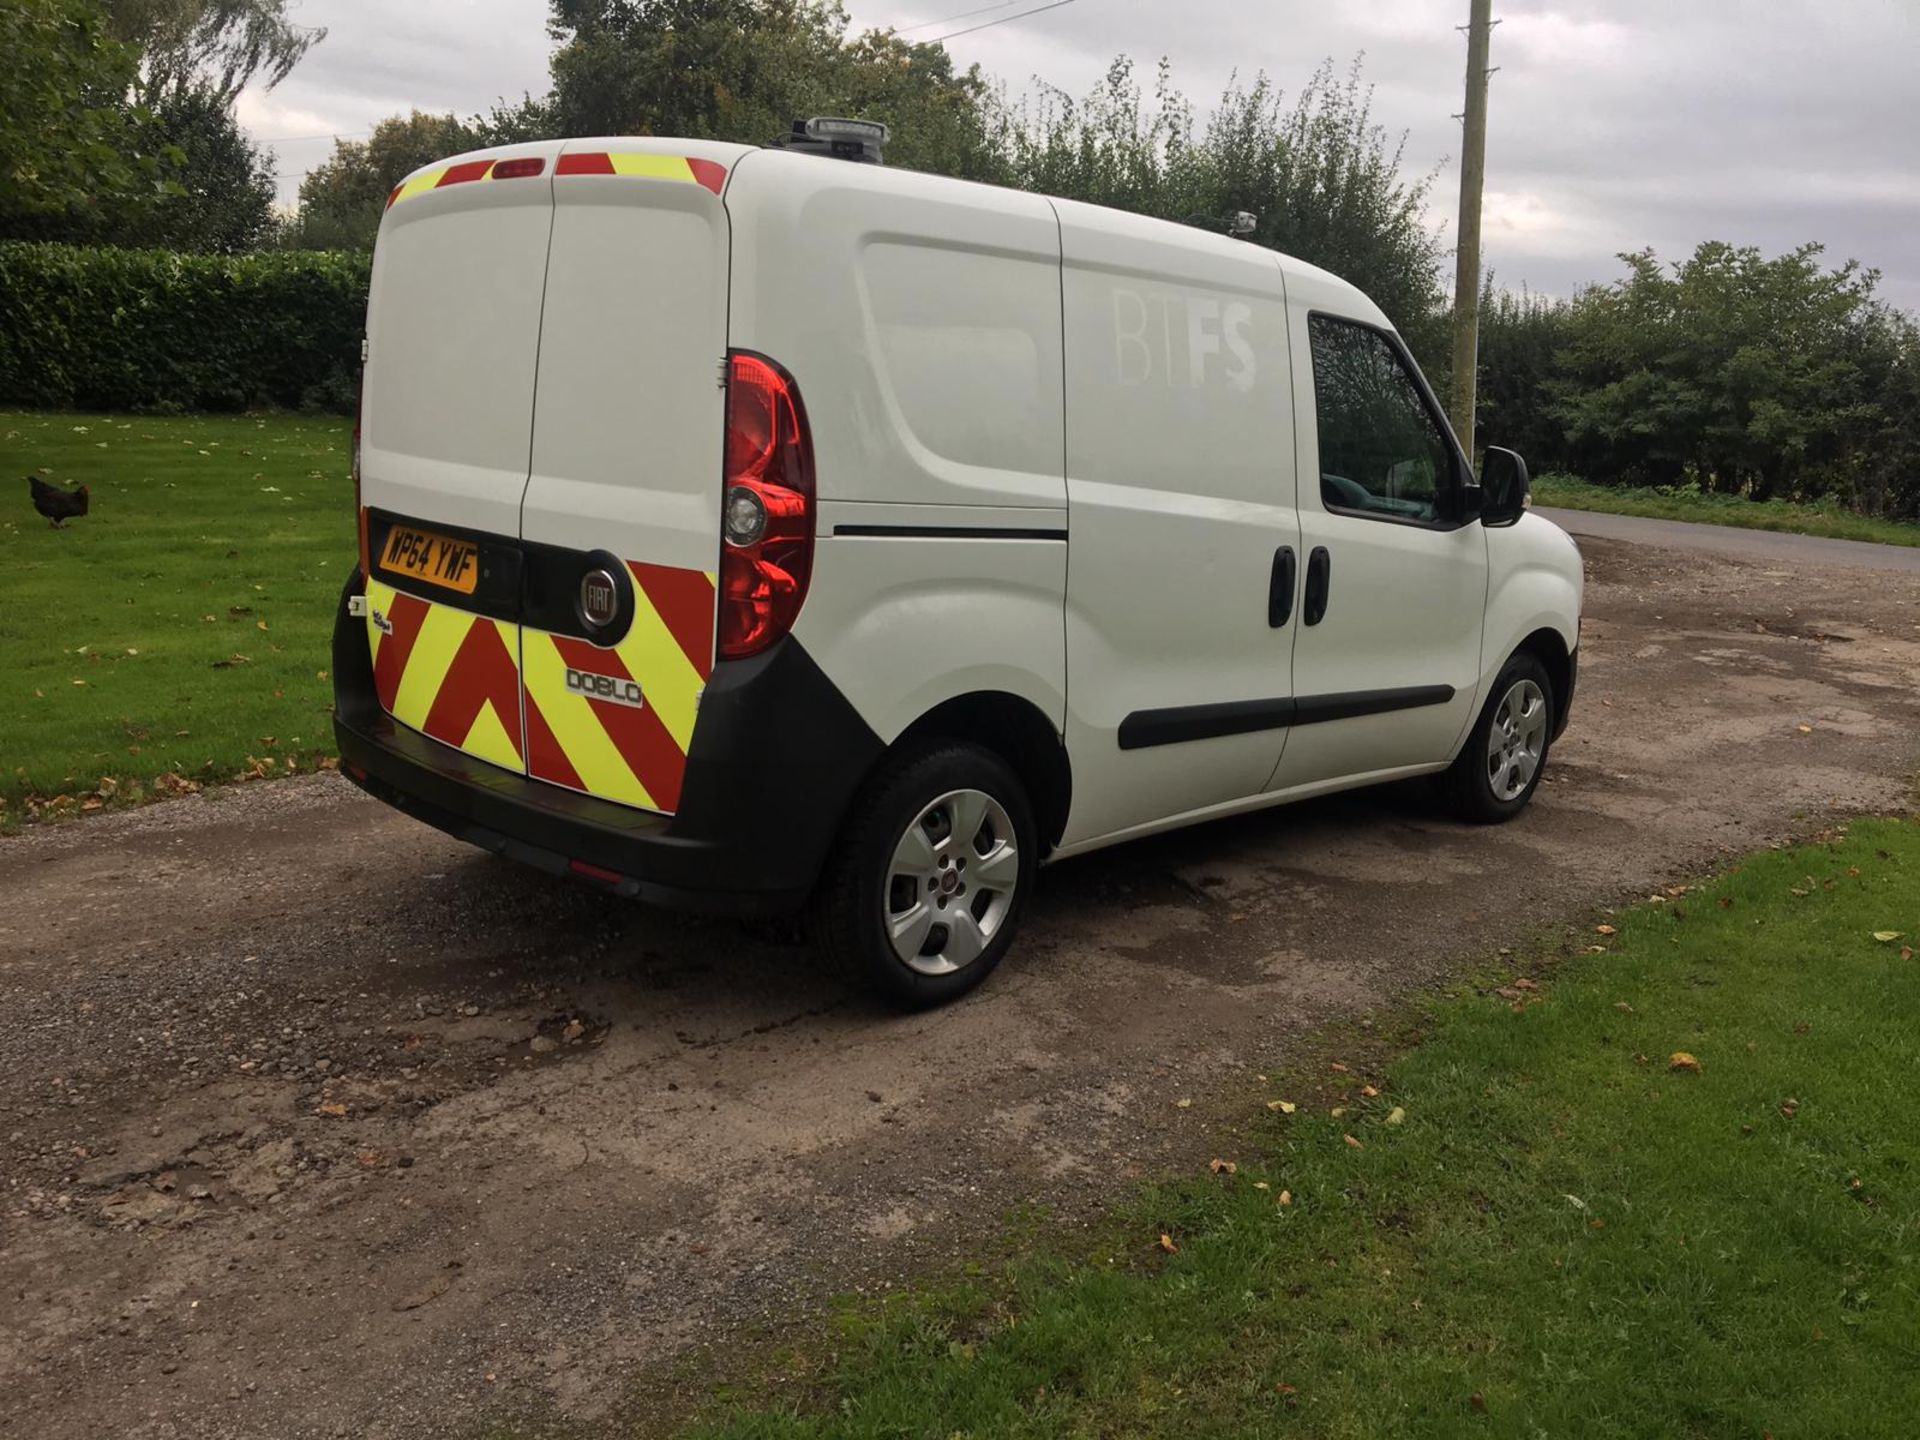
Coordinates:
(1473,174)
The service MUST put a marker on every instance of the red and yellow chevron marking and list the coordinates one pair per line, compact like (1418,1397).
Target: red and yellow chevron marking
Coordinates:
(446,673)
(435,179)
(636,755)
(709,173)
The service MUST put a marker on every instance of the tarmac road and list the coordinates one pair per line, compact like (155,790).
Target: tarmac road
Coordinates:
(315,1122)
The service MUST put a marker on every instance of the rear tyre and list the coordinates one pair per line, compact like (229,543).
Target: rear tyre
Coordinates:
(1499,767)
(932,871)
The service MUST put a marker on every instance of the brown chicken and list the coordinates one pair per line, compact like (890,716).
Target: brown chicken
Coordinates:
(56,504)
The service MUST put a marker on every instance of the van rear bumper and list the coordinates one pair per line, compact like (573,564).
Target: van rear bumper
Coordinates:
(776,756)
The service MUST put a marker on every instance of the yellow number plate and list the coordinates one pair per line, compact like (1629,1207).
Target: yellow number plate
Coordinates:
(451,564)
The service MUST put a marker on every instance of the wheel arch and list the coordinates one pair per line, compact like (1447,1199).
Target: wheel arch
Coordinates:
(1548,646)
(1019,732)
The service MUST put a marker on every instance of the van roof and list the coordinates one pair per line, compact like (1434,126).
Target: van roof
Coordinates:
(1307,283)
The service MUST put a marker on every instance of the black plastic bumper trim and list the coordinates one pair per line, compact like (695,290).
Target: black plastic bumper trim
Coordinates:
(776,756)
(1181,723)
(946,532)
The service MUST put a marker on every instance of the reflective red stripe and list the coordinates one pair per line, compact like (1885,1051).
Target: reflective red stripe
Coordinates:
(638,734)
(482,671)
(404,614)
(586,162)
(684,601)
(546,760)
(709,173)
(460,174)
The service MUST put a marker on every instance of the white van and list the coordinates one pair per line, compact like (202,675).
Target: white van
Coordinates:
(742,528)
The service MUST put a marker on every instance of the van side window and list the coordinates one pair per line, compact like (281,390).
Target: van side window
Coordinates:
(1381,450)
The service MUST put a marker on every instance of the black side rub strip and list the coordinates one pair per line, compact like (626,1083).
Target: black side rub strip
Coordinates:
(946,532)
(1144,728)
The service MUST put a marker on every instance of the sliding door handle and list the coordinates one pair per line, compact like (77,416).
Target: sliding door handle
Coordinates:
(1280,587)
(1319,582)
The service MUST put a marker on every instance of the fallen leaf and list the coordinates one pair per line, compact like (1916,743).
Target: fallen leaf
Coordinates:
(369,1159)
(1369,1091)
(1337,1066)
(1396,1116)
(1906,952)
(259,624)
(332,1107)
(1260,1185)
(1183,1104)
(1478,1402)
(1285,1197)
(1166,1244)
(1887,937)
(1285,1392)
(1605,930)
(1338,1111)
(1804,729)
(1789,1107)
(1285,1107)
(1223,1167)
(1726,902)
(1623,1006)
(1353,1142)
(1525,984)
(1681,1060)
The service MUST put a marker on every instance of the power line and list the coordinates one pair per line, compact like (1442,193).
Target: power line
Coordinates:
(329,135)
(949,19)
(989,24)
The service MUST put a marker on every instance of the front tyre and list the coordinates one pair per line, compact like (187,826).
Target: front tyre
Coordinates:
(1500,765)
(933,869)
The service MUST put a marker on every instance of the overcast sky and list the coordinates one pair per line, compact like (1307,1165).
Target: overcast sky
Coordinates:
(1613,125)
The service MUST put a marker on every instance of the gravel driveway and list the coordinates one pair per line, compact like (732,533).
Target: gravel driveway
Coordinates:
(314,1122)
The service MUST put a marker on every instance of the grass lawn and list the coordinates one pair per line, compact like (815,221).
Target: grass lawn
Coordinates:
(1546,1222)
(1674,504)
(183,626)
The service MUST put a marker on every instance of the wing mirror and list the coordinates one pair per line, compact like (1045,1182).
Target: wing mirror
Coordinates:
(1504,489)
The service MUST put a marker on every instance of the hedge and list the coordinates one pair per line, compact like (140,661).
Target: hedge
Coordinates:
(96,329)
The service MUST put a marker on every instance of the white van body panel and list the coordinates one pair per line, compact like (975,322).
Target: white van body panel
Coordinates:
(920,318)
(1537,584)
(626,445)
(1180,460)
(1406,601)
(444,436)
(1058,454)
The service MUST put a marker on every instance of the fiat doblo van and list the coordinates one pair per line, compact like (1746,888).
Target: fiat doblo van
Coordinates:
(748,530)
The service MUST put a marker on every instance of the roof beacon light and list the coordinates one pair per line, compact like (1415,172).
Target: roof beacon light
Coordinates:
(857,140)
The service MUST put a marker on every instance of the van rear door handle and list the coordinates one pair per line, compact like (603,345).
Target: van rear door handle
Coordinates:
(1319,581)
(1280,587)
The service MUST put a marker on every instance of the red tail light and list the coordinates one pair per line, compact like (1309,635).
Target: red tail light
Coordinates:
(766,507)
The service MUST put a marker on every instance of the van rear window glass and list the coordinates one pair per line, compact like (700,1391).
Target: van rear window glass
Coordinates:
(1381,450)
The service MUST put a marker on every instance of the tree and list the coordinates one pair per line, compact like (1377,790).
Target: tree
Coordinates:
(341,200)
(70,154)
(743,70)
(1734,372)
(1321,178)
(1521,337)
(219,46)
(221,197)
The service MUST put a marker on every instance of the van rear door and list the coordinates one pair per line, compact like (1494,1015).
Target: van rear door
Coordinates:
(453,331)
(620,523)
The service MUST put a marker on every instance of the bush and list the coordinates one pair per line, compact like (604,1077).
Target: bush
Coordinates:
(155,330)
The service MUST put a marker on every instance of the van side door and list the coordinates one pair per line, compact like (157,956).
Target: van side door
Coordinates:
(1183,542)
(1386,664)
